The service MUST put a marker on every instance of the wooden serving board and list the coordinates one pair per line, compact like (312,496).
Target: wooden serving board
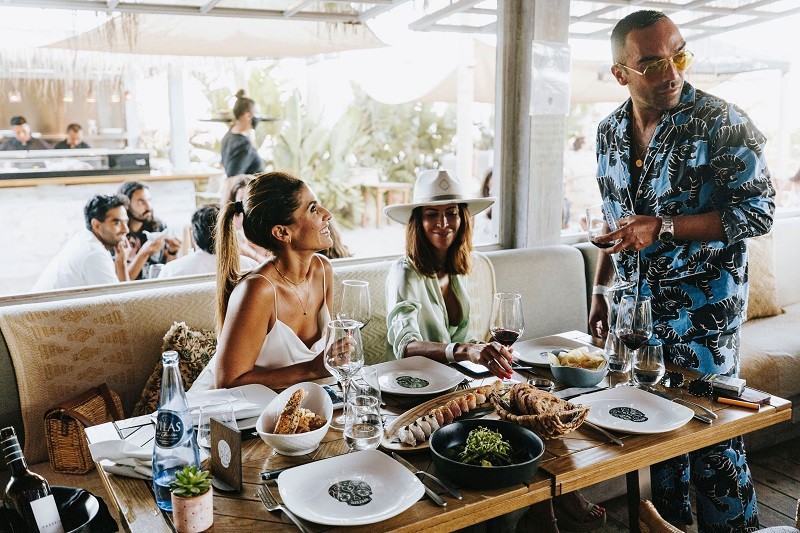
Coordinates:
(390,441)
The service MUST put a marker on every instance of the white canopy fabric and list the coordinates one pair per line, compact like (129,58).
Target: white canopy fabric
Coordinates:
(215,37)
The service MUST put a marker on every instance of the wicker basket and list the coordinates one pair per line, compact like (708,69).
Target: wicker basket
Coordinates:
(67,447)
(547,415)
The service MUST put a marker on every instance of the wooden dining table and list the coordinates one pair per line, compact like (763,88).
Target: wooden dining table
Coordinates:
(577,460)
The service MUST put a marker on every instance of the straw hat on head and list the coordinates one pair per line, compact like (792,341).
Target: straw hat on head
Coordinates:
(436,187)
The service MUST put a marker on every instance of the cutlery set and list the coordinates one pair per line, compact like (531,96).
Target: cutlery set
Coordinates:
(420,474)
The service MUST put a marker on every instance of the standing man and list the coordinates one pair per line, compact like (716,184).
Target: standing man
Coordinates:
(145,250)
(685,173)
(87,258)
(22,137)
(74,138)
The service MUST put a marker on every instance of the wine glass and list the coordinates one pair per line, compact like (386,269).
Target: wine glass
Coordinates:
(599,221)
(364,425)
(648,367)
(222,411)
(355,303)
(634,327)
(343,357)
(507,320)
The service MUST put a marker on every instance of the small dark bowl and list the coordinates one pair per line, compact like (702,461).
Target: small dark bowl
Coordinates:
(474,476)
(77,508)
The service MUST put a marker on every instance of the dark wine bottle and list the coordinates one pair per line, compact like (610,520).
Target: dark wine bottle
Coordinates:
(27,492)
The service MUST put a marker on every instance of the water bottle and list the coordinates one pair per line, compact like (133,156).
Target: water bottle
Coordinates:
(175,445)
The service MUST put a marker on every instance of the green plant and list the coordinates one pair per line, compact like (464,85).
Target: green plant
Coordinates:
(190,482)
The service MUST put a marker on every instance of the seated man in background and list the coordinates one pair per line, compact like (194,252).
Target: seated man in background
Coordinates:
(87,257)
(145,251)
(74,138)
(22,137)
(204,259)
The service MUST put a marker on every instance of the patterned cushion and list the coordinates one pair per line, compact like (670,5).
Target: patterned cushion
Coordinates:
(195,350)
(763,298)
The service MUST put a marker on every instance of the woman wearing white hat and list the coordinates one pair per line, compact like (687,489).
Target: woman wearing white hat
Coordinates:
(426,297)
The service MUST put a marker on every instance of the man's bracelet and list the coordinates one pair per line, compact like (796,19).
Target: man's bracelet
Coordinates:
(600,289)
(449,352)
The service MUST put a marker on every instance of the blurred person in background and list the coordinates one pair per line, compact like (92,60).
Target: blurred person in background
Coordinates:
(146,248)
(74,138)
(22,137)
(203,260)
(239,156)
(86,258)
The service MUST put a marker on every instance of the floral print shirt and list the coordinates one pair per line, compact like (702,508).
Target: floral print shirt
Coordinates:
(705,155)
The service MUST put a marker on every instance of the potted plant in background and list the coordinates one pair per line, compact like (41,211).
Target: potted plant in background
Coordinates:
(192,500)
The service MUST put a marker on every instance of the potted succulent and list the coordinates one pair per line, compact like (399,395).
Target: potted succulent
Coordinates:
(192,500)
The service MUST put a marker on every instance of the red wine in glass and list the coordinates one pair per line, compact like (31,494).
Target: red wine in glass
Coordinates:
(504,336)
(601,244)
(633,341)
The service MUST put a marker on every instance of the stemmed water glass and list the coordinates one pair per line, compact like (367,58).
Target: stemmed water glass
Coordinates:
(599,221)
(355,303)
(344,357)
(507,321)
(648,367)
(634,327)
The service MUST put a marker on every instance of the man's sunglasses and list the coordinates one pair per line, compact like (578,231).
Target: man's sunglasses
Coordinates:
(682,60)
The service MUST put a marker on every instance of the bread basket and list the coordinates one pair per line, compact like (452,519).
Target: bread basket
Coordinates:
(547,415)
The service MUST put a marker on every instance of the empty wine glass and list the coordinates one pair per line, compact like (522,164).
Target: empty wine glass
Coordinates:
(344,357)
(648,367)
(355,303)
(599,221)
(634,326)
(222,411)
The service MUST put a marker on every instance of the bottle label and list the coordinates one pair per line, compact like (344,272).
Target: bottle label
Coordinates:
(169,429)
(45,511)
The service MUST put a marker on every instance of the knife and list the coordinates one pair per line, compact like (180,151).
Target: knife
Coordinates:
(453,492)
(701,418)
(438,500)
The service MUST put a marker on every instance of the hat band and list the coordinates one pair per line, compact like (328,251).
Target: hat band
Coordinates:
(439,198)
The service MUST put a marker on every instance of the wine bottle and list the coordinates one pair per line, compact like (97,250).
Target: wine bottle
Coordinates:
(175,445)
(27,492)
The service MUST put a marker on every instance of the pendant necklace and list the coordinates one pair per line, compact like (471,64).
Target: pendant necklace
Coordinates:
(292,286)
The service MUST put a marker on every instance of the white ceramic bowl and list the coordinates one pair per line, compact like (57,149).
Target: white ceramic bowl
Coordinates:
(317,401)
(572,376)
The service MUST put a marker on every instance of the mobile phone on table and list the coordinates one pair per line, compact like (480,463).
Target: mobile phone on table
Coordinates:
(336,396)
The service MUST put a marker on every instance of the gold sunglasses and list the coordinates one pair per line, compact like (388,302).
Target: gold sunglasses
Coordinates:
(682,60)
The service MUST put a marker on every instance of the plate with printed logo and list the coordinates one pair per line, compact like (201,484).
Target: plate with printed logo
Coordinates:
(350,490)
(416,376)
(633,410)
(534,351)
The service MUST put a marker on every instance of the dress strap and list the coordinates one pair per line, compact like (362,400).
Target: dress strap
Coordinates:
(274,290)
(324,288)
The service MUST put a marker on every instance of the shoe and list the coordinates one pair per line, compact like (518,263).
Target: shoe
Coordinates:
(590,519)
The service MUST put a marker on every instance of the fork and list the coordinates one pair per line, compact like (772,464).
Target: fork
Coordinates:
(272,504)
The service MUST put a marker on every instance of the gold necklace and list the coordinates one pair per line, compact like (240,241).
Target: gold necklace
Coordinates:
(308,292)
(639,155)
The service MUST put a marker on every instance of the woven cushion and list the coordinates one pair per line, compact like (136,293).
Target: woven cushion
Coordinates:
(763,299)
(195,350)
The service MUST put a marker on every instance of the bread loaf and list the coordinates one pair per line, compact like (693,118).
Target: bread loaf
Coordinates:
(290,417)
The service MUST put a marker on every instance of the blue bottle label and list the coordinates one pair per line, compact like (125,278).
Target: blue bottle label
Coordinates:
(169,429)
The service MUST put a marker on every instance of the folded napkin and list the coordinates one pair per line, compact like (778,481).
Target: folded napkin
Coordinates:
(123,458)
(242,407)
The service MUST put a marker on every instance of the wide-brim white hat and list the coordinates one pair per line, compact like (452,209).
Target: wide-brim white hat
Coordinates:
(436,187)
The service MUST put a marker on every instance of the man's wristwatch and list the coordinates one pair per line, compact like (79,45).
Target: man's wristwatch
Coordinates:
(667,231)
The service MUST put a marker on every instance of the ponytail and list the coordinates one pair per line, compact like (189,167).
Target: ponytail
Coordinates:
(228,266)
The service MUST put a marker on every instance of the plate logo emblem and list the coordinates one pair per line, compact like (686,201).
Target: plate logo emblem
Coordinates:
(411,382)
(628,413)
(353,493)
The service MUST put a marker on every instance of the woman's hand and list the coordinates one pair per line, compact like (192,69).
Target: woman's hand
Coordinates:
(494,356)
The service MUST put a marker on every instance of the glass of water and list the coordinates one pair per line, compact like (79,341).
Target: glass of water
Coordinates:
(222,411)
(648,366)
(364,424)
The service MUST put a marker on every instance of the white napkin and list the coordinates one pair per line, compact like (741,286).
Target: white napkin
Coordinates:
(123,458)
(242,407)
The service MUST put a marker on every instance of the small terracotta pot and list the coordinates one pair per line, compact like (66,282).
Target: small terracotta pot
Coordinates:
(192,515)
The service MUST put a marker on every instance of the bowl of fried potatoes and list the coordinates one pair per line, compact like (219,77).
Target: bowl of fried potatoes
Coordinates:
(296,420)
(580,367)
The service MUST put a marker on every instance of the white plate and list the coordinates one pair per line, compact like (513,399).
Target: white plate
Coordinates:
(416,376)
(384,488)
(633,410)
(534,351)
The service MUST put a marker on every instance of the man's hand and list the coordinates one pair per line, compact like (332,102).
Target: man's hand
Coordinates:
(122,250)
(598,317)
(173,246)
(152,247)
(635,233)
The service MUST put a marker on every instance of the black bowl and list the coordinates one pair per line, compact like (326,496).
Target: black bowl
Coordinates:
(521,439)
(77,508)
